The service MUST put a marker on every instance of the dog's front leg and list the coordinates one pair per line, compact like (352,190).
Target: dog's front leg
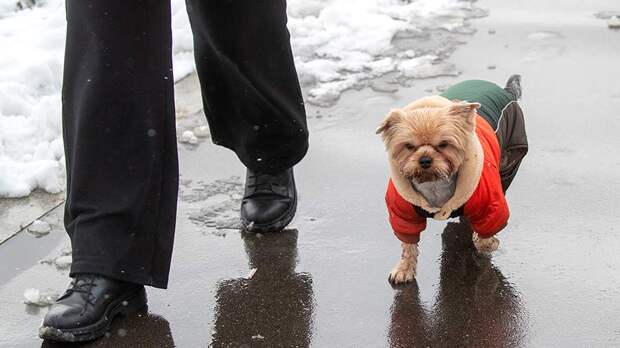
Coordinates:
(405,269)
(485,246)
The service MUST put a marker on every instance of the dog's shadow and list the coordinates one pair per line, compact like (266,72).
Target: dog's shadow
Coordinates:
(475,304)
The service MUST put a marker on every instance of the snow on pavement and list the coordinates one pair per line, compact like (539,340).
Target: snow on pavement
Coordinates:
(341,44)
(338,45)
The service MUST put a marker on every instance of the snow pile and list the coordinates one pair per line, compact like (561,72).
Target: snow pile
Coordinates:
(32,42)
(338,45)
(30,68)
(341,44)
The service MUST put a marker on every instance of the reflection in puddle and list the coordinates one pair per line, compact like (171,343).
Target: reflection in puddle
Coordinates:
(142,330)
(475,303)
(272,308)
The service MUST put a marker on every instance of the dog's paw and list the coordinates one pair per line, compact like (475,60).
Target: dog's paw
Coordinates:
(404,271)
(401,275)
(485,245)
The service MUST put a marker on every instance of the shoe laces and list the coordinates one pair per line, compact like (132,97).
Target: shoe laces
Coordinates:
(265,183)
(83,285)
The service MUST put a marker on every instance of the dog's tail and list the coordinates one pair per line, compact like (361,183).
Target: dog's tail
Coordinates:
(513,86)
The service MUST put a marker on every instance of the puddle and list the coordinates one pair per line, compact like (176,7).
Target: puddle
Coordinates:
(545,45)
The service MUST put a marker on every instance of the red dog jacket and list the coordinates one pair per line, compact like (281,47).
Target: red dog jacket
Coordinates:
(486,209)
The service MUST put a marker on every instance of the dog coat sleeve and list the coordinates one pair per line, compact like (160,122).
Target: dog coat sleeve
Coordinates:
(406,223)
(487,210)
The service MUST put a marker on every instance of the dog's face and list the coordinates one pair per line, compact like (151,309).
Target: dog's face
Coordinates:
(428,144)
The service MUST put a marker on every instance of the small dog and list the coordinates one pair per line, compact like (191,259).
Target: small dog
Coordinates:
(449,157)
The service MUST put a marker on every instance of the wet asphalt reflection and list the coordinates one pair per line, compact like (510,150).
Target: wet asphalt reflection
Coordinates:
(475,304)
(552,283)
(276,303)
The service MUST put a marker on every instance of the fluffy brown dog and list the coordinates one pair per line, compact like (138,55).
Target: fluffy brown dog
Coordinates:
(446,161)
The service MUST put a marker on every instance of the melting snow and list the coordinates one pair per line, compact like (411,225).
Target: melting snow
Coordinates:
(189,137)
(63,262)
(338,45)
(39,228)
(202,131)
(39,298)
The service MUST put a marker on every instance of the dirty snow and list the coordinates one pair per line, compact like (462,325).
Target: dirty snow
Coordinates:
(338,45)
(39,228)
(39,298)
(62,262)
(614,22)
(189,137)
(341,44)
(214,206)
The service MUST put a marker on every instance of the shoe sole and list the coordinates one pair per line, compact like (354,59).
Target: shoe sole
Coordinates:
(125,306)
(275,226)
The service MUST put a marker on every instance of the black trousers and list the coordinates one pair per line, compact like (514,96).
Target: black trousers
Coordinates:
(119,119)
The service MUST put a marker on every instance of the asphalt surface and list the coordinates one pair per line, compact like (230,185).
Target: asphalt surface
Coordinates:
(553,281)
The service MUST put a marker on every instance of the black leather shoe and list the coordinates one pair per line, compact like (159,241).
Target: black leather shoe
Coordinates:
(88,307)
(269,202)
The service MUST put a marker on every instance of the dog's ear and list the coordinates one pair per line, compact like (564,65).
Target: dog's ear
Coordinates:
(392,118)
(465,110)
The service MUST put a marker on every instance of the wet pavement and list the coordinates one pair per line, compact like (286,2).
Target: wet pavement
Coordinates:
(553,281)
(20,212)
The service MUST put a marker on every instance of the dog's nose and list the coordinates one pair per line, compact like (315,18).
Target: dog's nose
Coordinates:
(425,162)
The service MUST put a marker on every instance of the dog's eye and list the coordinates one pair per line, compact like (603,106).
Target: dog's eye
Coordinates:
(443,145)
(409,146)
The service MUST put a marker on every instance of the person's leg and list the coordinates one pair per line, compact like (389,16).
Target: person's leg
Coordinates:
(122,172)
(249,84)
(120,141)
(252,100)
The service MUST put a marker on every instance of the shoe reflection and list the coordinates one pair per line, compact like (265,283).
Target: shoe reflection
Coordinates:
(140,330)
(475,304)
(274,307)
